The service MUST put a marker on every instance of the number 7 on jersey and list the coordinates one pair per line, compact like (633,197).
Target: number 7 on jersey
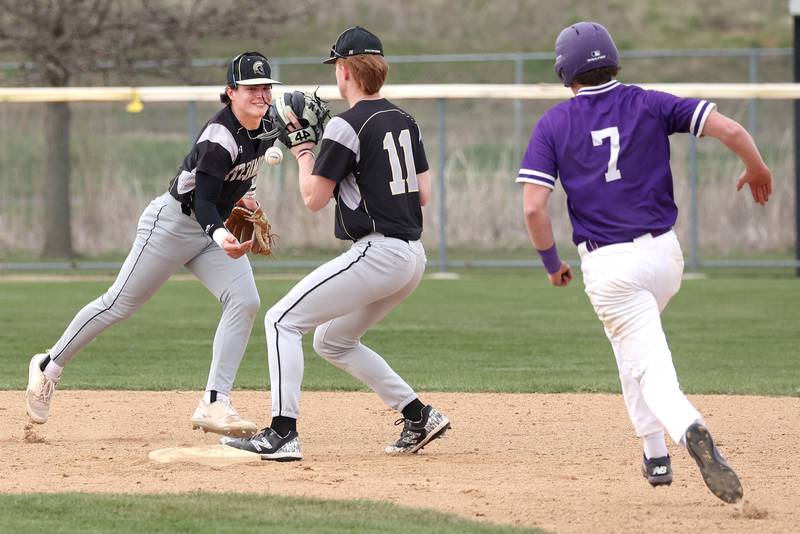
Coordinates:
(597,139)
(399,182)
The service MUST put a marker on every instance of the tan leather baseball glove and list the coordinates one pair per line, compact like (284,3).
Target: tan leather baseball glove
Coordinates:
(245,225)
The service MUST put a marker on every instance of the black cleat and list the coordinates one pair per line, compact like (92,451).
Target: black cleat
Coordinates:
(717,474)
(657,471)
(269,445)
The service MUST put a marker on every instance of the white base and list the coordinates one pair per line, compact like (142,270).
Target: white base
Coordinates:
(213,455)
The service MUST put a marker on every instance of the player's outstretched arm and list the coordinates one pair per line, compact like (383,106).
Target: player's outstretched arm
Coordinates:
(734,136)
(540,231)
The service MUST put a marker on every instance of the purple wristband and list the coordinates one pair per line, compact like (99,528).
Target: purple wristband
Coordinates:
(550,259)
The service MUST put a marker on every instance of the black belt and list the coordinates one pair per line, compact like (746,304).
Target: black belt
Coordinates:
(591,244)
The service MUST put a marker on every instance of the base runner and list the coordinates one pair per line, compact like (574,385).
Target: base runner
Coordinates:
(609,147)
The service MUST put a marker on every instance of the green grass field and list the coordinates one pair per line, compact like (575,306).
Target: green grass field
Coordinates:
(505,331)
(189,513)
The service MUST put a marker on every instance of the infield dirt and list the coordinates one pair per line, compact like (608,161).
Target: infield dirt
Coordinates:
(563,462)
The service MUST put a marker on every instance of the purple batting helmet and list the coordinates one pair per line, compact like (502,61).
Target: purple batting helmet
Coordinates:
(581,47)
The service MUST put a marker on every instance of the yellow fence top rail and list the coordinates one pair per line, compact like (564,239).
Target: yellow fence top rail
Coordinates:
(779,91)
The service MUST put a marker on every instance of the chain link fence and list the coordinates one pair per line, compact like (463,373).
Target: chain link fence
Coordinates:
(120,161)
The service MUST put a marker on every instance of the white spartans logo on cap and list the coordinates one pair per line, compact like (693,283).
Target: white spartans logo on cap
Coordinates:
(258,68)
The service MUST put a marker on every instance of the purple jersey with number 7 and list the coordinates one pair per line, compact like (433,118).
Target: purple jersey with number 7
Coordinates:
(609,146)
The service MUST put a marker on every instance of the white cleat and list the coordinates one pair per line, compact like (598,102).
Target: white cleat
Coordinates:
(40,391)
(220,417)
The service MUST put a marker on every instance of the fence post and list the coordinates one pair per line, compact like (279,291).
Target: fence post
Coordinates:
(693,263)
(794,9)
(440,106)
(752,107)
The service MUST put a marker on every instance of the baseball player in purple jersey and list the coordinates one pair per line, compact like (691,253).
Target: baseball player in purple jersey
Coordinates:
(372,163)
(609,147)
(184,227)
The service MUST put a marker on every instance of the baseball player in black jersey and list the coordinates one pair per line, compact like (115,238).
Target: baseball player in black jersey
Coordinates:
(372,163)
(184,227)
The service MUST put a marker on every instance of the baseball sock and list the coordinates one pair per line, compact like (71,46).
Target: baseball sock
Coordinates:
(654,445)
(213,396)
(283,425)
(53,370)
(413,410)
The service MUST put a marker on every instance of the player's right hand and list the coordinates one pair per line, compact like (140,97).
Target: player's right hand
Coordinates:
(760,182)
(233,248)
(561,277)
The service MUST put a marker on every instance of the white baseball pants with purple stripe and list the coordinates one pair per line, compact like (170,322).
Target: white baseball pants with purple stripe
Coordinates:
(629,285)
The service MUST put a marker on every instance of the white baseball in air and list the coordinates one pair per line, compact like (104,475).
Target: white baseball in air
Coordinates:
(274,155)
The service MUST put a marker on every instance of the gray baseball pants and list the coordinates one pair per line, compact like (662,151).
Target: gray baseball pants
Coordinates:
(166,239)
(342,299)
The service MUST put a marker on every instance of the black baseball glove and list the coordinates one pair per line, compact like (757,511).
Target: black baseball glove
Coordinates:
(310,111)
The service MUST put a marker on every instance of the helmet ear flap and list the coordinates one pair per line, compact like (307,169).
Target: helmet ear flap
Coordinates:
(560,72)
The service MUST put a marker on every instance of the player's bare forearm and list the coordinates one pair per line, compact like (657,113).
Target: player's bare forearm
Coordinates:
(734,136)
(305,166)
(537,218)
(315,190)
(424,182)
(540,231)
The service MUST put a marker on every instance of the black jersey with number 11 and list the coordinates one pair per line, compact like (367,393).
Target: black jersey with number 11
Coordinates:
(373,152)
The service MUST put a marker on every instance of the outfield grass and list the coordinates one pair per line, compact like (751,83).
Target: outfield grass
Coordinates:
(505,331)
(203,512)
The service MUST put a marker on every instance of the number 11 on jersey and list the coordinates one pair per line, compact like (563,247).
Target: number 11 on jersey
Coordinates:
(400,184)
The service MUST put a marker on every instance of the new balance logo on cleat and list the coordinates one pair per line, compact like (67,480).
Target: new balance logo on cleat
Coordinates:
(410,437)
(259,443)
(269,445)
(657,471)
(417,434)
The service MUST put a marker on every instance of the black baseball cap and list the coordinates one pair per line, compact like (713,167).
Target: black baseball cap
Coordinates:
(250,68)
(355,41)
